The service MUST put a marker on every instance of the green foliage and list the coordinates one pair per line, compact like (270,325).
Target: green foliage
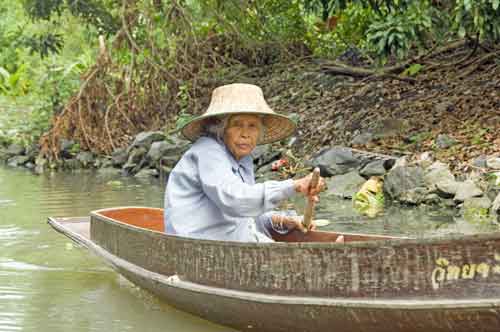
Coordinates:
(479,216)
(16,83)
(413,70)
(44,43)
(43,9)
(350,31)
(397,32)
(420,137)
(477,17)
(264,20)
(33,88)
(182,119)
(48,45)
(92,12)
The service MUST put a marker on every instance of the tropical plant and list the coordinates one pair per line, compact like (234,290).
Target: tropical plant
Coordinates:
(16,83)
(479,18)
(397,33)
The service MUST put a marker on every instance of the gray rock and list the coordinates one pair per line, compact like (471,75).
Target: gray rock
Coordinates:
(447,189)
(41,161)
(169,161)
(335,161)
(144,173)
(465,190)
(374,168)
(432,199)
(104,162)
(414,196)
(146,138)
(15,150)
(406,184)
(476,209)
(362,139)
(4,155)
(294,141)
(66,148)
(345,185)
(157,150)
(119,157)
(492,191)
(495,207)
(445,141)
(130,167)
(493,163)
(72,164)
(162,149)
(480,162)
(86,158)
(30,165)
(18,161)
(265,173)
(32,151)
(477,203)
(135,160)
(179,142)
(136,155)
(65,144)
(263,155)
(436,173)
(424,159)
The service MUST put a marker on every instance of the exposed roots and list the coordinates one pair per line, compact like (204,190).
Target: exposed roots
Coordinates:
(138,85)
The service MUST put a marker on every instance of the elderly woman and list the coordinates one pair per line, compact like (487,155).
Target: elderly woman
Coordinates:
(211,193)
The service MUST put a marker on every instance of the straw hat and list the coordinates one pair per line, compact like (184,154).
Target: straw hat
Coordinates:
(241,98)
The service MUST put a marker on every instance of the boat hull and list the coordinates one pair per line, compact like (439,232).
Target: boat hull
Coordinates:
(266,311)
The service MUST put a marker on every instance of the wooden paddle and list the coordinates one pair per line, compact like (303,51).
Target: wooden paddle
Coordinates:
(309,211)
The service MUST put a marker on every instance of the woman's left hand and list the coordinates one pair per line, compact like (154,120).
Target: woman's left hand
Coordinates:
(291,223)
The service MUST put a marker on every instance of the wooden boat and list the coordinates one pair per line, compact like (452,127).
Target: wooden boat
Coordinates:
(304,282)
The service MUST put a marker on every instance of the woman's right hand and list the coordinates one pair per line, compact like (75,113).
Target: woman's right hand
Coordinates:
(303,186)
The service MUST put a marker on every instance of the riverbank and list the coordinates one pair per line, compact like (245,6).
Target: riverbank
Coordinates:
(431,133)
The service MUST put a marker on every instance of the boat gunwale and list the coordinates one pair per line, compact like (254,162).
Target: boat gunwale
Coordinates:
(378,241)
(357,303)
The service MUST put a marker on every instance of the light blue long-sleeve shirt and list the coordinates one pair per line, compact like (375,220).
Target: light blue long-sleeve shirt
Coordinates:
(211,195)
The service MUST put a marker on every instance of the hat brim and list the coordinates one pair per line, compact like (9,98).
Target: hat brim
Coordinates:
(277,126)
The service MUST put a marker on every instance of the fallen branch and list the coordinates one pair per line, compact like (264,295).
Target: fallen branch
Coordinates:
(337,68)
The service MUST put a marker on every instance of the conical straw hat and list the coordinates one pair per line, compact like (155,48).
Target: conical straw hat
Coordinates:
(239,98)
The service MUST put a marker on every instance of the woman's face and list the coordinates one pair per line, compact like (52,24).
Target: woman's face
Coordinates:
(241,134)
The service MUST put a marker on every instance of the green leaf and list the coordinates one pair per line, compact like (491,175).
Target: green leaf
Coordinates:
(4,73)
(413,69)
(468,5)
(495,4)
(461,31)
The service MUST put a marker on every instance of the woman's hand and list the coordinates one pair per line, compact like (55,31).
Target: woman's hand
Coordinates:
(291,223)
(303,186)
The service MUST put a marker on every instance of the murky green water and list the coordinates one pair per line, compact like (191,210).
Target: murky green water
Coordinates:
(47,284)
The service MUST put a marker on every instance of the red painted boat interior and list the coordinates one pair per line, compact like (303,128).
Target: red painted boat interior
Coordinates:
(152,219)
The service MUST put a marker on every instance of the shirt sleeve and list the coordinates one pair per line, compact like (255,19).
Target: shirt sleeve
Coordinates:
(231,195)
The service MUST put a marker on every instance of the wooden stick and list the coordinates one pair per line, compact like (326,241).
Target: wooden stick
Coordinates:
(309,211)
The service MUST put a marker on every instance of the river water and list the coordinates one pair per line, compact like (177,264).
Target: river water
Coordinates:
(49,284)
